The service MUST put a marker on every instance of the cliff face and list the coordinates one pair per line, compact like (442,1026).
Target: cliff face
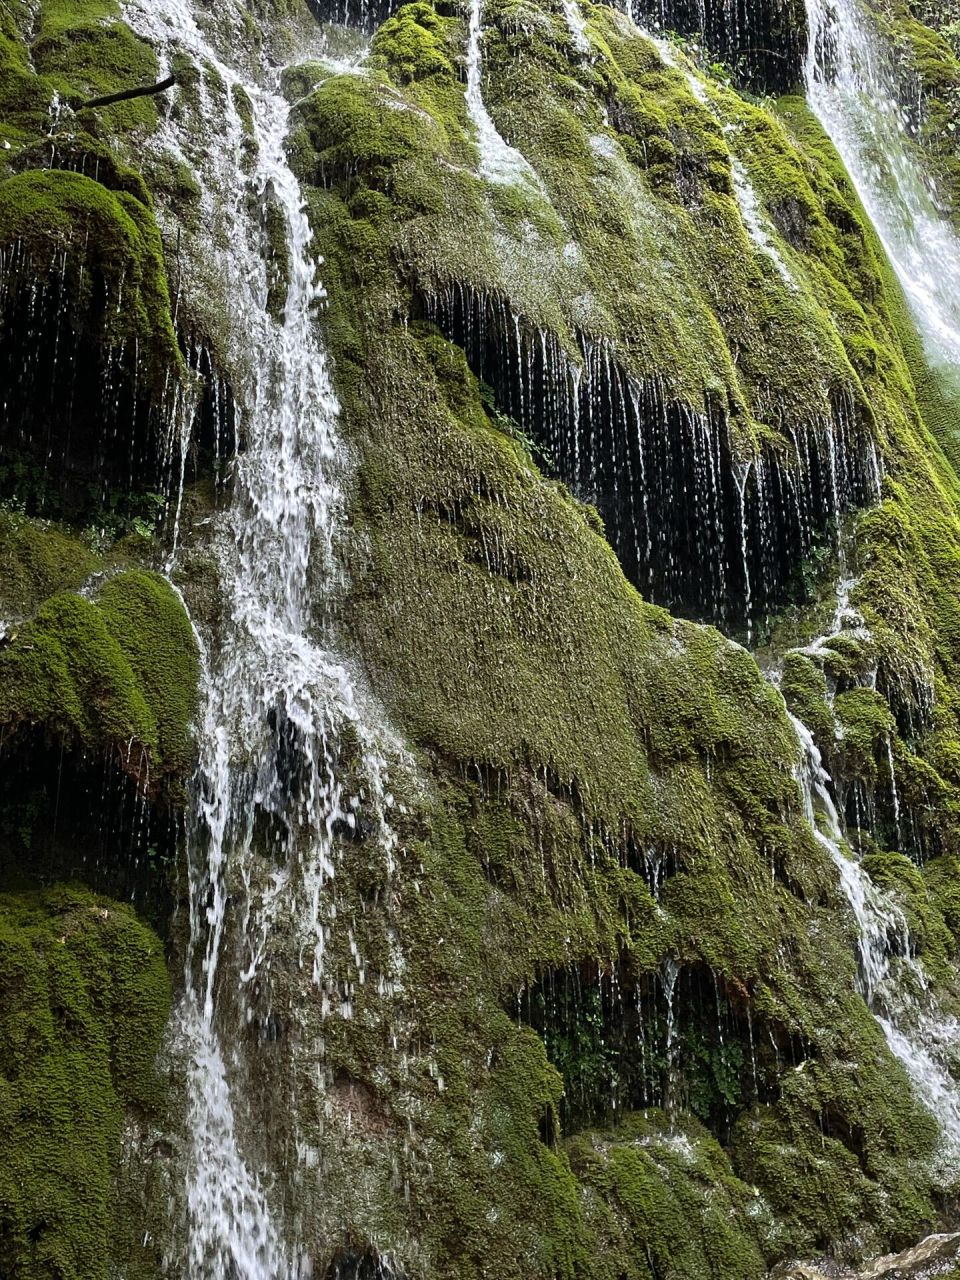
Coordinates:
(626,385)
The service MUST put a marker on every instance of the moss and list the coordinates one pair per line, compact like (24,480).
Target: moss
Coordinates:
(942,877)
(804,688)
(85,1000)
(571,734)
(602,788)
(477,572)
(665,1202)
(865,725)
(153,631)
(822,1170)
(97,238)
(89,59)
(924,63)
(244,109)
(76,52)
(36,561)
(118,673)
(928,931)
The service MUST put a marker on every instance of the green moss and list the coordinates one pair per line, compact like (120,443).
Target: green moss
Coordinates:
(804,688)
(153,631)
(84,1001)
(90,59)
(567,728)
(942,876)
(96,238)
(928,930)
(567,733)
(119,672)
(36,561)
(76,52)
(665,1202)
(817,1159)
(866,726)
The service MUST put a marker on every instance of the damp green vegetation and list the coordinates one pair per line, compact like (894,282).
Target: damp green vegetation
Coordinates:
(100,247)
(600,1017)
(95,651)
(609,789)
(664,1196)
(85,996)
(115,669)
(924,43)
(60,54)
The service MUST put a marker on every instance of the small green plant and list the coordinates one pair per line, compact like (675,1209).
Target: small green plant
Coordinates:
(510,427)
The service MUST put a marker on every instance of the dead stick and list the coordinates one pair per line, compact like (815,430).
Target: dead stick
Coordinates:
(129,93)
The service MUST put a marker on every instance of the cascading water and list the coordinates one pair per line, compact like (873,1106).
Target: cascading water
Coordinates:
(268,798)
(853,91)
(890,980)
(499,162)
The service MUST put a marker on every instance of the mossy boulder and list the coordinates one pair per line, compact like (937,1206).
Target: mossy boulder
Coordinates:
(84,1000)
(116,672)
(100,242)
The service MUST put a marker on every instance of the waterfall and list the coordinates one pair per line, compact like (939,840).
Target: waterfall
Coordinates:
(268,798)
(853,91)
(889,979)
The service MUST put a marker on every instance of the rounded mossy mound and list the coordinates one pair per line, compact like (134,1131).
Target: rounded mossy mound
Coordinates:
(55,222)
(114,672)
(88,352)
(664,1201)
(85,996)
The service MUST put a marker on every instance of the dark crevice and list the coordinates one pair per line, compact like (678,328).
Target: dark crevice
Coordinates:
(362,15)
(356,1262)
(697,526)
(680,1037)
(77,815)
(762,45)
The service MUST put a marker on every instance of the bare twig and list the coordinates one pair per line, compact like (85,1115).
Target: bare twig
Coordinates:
(142,92)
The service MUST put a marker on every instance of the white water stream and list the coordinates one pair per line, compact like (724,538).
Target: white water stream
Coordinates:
(499,162)
(889,978)
(852,89)
(268,796)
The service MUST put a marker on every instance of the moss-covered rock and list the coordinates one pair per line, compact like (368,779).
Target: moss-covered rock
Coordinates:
(616,788)
(600,799)
(116,672)
(54,221)
(665,1202)
(84,1001)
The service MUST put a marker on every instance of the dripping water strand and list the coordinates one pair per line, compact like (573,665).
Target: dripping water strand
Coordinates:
(889,978)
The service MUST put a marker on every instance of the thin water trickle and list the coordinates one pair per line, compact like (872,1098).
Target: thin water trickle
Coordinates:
(269,796)
(576,26)
(889,979)
(755,222)
(499,162)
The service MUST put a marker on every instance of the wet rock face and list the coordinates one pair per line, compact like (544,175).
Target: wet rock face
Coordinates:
(698,527)
(358,1263)
(88,358)
(937,1255)
(761,44)
(364,15)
